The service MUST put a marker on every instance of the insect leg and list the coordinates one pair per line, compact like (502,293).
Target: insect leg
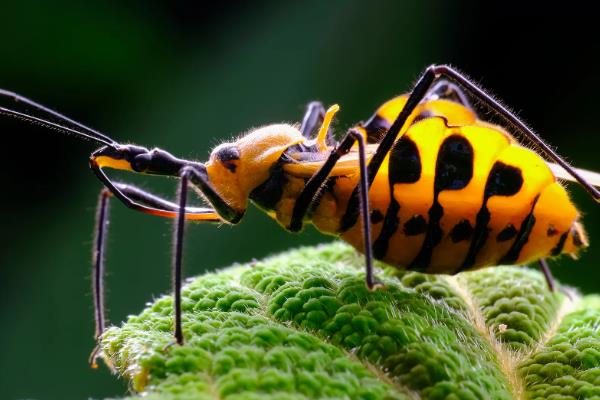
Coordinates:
(146,198)
(513,120)
(364,210)
(169,209)
(187,174)
(444,89)
(315,183)
(178,255)
(154,205)
(547,274)
(315,112)
(305,198)
(98,269)
(418,93)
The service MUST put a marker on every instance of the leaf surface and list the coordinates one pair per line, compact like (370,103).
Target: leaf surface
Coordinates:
(302,325)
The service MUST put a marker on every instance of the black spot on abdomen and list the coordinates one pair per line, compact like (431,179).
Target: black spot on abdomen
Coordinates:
(416,225)
(509,232)
(376,216)
(552,231)
(454,166)
(461,231)
(503,180)
(404,163)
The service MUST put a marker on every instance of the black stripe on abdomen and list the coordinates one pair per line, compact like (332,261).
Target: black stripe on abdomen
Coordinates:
(453,171)
(503,180)
(560,245)
(404,167)
(522,237)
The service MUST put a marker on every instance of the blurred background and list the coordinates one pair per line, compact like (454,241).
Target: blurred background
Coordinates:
(186,78)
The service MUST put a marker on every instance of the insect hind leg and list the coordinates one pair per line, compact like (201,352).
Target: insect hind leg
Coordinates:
(547,274)
(487,100)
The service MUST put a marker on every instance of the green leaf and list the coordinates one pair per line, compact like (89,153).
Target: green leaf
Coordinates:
(302,325)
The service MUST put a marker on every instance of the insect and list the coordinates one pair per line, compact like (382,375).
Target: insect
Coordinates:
(424,184)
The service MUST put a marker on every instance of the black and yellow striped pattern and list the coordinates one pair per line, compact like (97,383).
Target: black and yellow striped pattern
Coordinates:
(453,194)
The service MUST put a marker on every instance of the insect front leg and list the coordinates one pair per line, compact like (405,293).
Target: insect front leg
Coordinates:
(98,269)
(148,204)
(177,266)
(186,174)
(139,200)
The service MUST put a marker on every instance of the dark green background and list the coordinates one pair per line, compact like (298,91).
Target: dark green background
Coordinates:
(186,78)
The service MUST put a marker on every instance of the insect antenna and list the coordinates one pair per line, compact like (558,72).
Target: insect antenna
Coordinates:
(61,125)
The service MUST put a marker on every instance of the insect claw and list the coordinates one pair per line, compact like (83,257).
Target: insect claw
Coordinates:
(94,356)
(376,285)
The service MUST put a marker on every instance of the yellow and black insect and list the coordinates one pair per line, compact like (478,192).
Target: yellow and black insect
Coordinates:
(423,184)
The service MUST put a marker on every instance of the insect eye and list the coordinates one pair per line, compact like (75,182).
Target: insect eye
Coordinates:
(228,155)
(141,162)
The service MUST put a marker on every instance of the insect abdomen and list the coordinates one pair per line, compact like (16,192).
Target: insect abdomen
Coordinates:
(449,199)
